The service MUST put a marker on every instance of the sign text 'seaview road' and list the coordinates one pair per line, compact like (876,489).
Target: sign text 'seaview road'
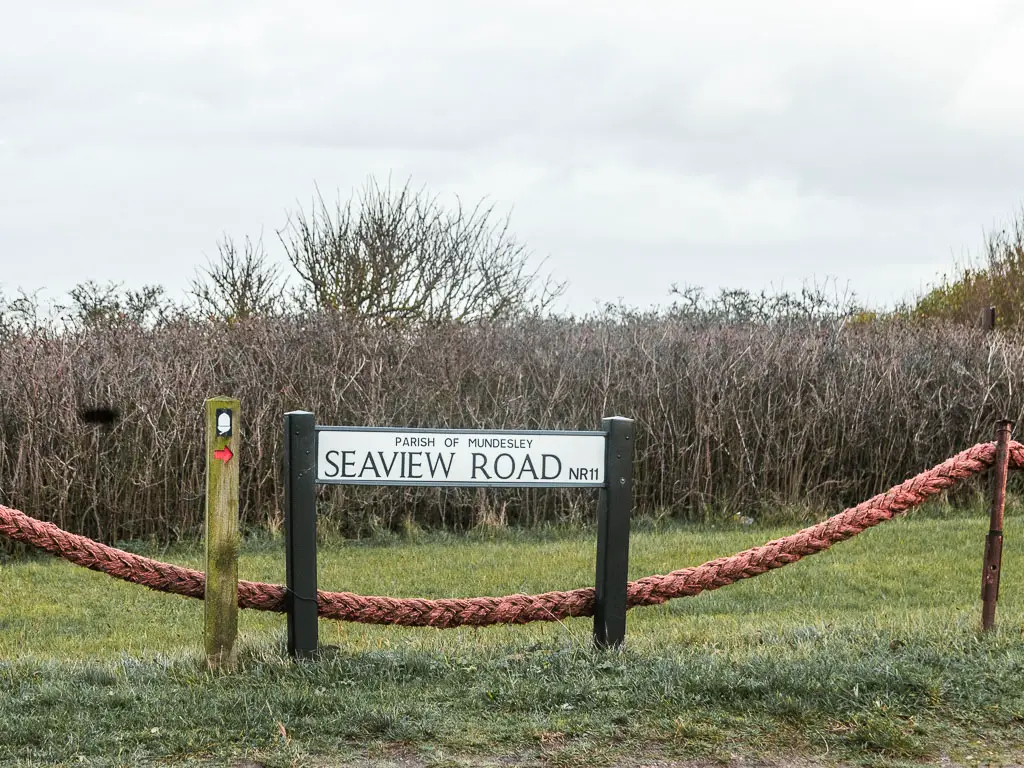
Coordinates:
(384,456)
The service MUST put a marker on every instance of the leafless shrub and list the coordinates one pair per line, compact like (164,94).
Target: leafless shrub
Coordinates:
(94,304)
(996,278)
(238,286)
(398,256)
(731,417)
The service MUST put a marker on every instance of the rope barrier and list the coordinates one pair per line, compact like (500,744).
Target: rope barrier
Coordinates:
(518,609)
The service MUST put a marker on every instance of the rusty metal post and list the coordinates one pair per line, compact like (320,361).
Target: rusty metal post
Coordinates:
(994,541)
(988,319)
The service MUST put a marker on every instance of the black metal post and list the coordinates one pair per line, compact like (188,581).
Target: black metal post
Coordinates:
(615,504)
(300,532)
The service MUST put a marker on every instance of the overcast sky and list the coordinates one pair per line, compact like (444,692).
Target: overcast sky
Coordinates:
(636,144)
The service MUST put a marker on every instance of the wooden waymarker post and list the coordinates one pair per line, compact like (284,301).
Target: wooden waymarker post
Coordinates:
(221,598)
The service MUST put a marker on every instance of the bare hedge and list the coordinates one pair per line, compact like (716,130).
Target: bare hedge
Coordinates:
(731,418)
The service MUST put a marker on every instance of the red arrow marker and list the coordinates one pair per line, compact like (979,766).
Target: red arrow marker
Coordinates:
(224,454)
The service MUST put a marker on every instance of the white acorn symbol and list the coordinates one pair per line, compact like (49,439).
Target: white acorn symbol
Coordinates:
(223,423)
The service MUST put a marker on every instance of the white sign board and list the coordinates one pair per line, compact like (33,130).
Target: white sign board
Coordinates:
(384,456)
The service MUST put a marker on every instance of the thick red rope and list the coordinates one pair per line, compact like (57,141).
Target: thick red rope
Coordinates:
(518,609)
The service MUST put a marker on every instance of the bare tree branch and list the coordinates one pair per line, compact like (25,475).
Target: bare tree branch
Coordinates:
(397,256)
(238,286)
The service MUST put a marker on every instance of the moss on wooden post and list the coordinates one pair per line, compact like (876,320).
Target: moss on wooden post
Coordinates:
(221,598)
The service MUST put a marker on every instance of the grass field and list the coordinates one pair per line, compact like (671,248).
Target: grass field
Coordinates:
(868,653)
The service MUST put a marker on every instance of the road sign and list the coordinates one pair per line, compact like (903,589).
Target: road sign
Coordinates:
(455,457)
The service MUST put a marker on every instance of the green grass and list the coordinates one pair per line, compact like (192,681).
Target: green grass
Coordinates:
(867,653)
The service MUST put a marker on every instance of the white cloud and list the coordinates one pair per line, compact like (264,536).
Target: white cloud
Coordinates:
(990,99)
(732,143)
